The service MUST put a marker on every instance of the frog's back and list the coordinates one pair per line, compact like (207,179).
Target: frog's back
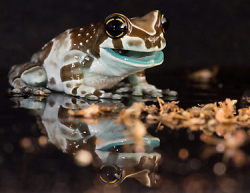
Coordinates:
(54,55)
(50,57)
(81,38)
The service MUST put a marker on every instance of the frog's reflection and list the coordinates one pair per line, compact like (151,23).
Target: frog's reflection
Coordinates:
(110,143)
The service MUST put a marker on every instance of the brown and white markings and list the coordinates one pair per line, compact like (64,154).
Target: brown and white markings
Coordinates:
(83,61)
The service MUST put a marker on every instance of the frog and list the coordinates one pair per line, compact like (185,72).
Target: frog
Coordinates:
(87,61)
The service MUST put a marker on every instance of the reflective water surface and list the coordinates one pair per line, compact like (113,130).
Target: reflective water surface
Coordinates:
(45,149)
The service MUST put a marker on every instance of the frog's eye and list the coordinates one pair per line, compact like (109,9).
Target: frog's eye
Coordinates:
(116,26)
(110,174)
(164,23)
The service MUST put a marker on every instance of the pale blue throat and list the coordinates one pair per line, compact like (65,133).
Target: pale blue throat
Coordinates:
(135,57)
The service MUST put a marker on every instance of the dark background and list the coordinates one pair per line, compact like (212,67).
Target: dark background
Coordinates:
(201,33)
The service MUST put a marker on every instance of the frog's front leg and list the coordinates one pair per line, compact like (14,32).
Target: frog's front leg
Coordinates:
(28,78)
(141,86)
(77,88)
(72,79)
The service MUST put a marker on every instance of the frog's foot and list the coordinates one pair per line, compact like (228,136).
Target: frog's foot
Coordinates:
(28,78)
(124,89)
(103,95)
(90,93)
(109,95)
(171,93)
(148,89)
(30,90)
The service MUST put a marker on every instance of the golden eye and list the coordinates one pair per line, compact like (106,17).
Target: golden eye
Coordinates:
(116,26)
(110,174)
(164,23)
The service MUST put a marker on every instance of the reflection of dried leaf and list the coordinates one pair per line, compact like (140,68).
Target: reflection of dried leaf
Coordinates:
(220,118)
(229,146)
(130,118)
(92,111)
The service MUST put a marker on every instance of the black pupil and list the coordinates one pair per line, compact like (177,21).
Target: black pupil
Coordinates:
(115,27)
(110,174)
(164,23)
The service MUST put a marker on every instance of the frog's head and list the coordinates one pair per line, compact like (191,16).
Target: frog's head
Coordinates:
(135,42)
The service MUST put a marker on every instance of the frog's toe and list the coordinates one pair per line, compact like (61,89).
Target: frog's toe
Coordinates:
(156,94)
(39,91)
(16,91)
(36,91)
(106,95)
(45,90)
(22,91)
(137,92)
(152,91)
(27,90)
(109,95)
(147,89)
(171,93)
(92,97)
(123,90)
(116,96)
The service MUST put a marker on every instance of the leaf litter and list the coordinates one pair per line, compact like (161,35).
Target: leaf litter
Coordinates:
(223,128)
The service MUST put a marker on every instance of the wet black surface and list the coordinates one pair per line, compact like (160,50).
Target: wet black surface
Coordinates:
(200,33)
(48,169)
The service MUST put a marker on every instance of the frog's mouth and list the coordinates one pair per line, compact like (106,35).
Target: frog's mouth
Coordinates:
(150,143)
(137,57)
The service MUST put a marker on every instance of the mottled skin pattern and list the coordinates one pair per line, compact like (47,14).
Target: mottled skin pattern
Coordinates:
(77,62)
(71,134)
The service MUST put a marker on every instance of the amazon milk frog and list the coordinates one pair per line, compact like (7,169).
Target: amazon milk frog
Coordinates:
(85,61)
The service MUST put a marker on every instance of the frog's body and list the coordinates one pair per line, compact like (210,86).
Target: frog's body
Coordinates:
(84,61)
